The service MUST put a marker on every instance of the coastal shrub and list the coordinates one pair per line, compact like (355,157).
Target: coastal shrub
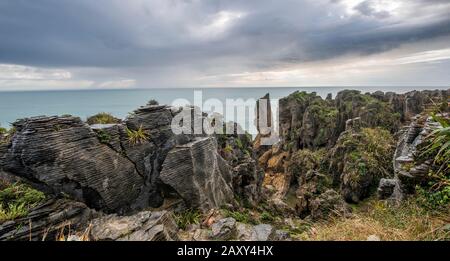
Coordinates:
(3,130)
(187,217)
(359,160)
(103,136)
(138,136)
(102,118)
(16,199)
(436,192)
(153,102)
(305,160)
(6,135)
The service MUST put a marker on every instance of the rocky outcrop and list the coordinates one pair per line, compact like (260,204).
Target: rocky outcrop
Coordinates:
(308,121)
(247,175)
(408,171)
(144,226)
(229,229)
(149,154)
(65,155)
(47,220)
(198,174)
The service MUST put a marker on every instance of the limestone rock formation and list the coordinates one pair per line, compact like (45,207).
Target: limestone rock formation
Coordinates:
(198,174)
(45,221)
(65,155)
(143,226)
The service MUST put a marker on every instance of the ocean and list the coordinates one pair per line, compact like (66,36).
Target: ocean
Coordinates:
(84,103)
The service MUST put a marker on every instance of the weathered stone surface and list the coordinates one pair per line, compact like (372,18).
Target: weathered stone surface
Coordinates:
(263,232)
(386,188)
(224,229)
(198,174)
(144,226)
(64,154)
(46,220)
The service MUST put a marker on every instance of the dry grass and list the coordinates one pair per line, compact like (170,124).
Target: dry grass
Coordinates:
(407,222)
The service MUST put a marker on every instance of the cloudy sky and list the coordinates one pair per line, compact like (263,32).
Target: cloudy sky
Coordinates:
(85,44)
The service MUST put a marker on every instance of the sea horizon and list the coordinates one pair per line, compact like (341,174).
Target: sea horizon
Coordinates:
(83,103)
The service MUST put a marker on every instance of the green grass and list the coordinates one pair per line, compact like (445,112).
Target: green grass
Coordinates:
(138,136)
(242,216)
(266,217)
(102,118)
(187,217)
(16,199)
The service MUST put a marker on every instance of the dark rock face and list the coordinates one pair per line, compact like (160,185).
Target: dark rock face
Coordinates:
(247,176)
(144,226)
(198,174)
(386,188)
(306,120)
(64,154)
(46,220)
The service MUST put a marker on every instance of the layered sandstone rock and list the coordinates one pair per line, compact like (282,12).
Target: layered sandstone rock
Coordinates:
(198,174)
(143,226)
(65,155)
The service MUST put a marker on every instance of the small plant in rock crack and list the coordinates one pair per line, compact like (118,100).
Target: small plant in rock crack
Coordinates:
(138,136)
(188,217)
(103,137)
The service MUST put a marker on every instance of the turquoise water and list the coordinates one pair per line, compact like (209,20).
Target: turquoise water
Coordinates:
(16,105)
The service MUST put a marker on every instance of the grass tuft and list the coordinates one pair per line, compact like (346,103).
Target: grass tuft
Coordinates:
(188,217)
(102,118)
(138,136)
(16,199)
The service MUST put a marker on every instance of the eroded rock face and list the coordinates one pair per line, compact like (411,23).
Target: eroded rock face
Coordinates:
(144,226)
(247,175)
(147,155)
(408,168)
(224,229)
(198,174)
(65,155)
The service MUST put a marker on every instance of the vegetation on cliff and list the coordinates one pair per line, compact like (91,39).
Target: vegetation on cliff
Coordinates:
(16,199)
(435,191)
(102,118)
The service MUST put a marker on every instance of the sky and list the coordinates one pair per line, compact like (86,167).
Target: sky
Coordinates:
(116,44)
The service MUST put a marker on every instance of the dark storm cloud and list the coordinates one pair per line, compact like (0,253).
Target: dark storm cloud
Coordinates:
(152,33)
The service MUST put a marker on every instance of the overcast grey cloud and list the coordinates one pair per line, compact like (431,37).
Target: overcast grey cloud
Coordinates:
(154,43)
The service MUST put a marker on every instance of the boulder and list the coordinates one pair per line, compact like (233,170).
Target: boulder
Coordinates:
(143,226)
(65,155)
(386,188)
(263,232)
(224,229)
(198,174)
